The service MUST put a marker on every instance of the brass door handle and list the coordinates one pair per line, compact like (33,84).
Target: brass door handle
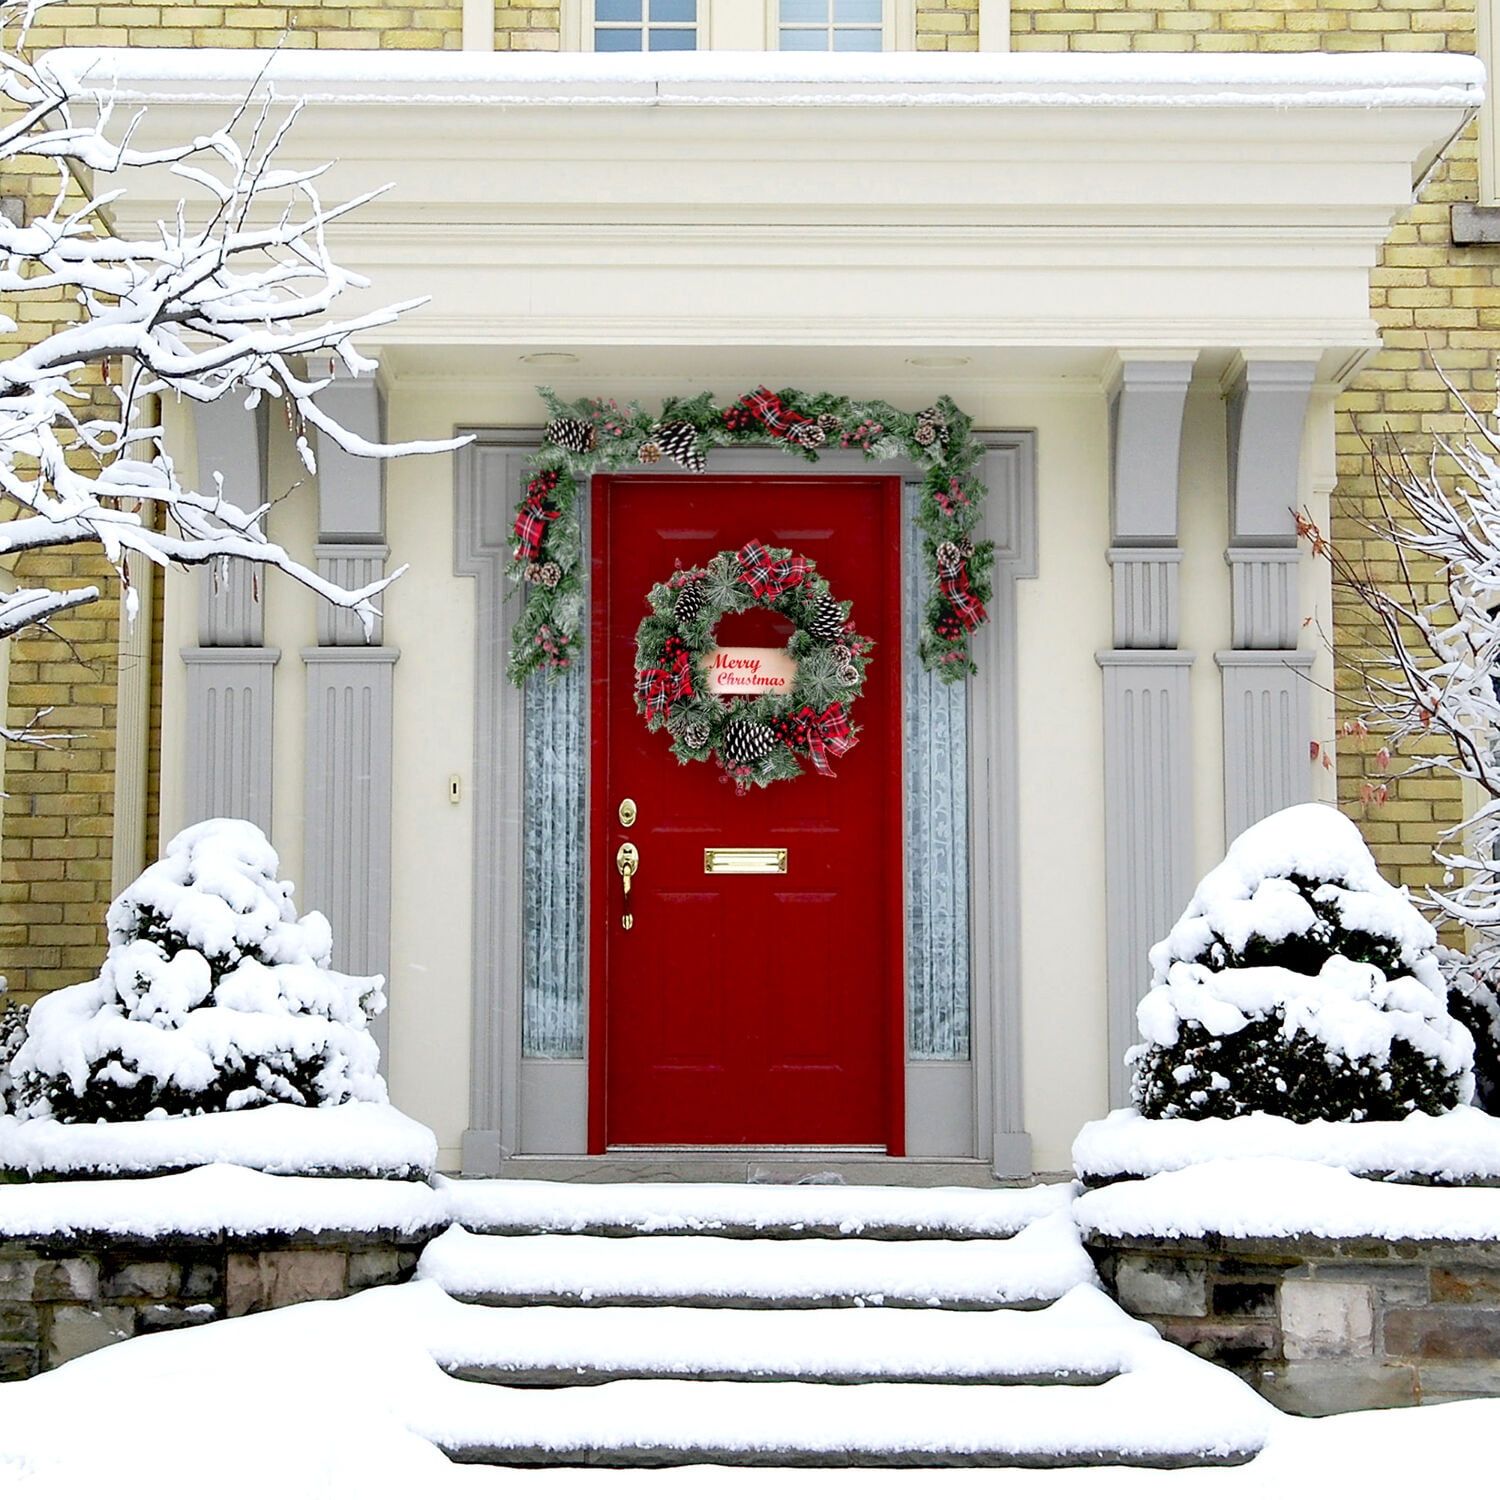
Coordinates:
(627,862)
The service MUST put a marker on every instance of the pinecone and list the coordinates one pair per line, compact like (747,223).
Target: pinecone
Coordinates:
(950,559)
(848,675)
(679,441)
(924,434)
(842,656)
(827,620)
(695,734)
(532,572)
(649,452)
(691,598)
(807,434)
(830,424)
(571,433)
(931,420)
(549,575)
(745,743)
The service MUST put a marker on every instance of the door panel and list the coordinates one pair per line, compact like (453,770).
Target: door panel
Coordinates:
(745,1010)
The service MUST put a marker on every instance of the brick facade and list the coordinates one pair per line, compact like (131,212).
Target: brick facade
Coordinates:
(1438,306)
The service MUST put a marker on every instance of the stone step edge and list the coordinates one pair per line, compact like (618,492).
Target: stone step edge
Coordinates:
(560,1377)
(747,1301)
(610,1456)
(886,1233)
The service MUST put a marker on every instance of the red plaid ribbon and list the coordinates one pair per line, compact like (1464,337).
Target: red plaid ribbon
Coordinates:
(828,733)
(965,602)
(531,527)
(777,419)
(660,689)
(769,576)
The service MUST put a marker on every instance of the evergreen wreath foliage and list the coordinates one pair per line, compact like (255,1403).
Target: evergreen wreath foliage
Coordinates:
(592,436)
(765,738)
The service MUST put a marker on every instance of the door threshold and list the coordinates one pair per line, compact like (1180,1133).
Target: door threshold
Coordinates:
(859,1169)
(818,1151)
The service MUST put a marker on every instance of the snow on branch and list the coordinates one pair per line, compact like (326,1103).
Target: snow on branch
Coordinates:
(221,306)
(1428,689)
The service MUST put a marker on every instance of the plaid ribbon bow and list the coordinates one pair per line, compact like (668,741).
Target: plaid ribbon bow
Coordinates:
(777,419)
(769,576)
(828,733)
(966,604)
(660,689)
(531,527)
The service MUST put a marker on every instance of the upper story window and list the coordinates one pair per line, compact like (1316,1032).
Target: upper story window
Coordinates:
(645,25)
(742,25)
(831,26)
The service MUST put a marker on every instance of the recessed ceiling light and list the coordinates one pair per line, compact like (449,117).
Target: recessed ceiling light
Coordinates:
(938,361)
(549,358)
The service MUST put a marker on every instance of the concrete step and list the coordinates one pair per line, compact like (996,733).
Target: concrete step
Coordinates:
(1082,1339)
(1033,1268)
(759,1211)
(1135,1419)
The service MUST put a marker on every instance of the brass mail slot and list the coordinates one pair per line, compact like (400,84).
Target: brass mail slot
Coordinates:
(744,861)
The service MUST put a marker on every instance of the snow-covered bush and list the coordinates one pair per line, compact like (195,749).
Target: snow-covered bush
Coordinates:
(12,1034)
(214,995)
(1298,982)
(1474,1002)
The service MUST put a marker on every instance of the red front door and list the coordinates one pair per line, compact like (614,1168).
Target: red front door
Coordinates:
(746,1010)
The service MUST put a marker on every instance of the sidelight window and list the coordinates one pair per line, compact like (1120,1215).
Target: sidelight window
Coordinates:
(645,25)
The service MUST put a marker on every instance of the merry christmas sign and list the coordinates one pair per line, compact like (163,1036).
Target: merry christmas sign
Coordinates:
(748,670)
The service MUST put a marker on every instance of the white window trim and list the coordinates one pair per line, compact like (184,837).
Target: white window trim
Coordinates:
(1489,114)
(745,25)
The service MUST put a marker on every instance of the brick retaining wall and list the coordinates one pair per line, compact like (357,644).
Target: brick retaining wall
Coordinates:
(1321,1326)
(63,1297)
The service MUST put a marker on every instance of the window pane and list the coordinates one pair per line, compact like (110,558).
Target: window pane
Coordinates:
(937,833)
(617,10)
(794,12)
(804,41)
(859,12)
(674,10)
(618,39)
(856,41)
(673,39)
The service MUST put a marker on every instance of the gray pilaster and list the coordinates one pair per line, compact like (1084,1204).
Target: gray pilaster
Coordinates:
(1148,780)
(351,686)
(231,460)
(1265,679)
(229,718)
(230,671)
(1148,829)
(347,781)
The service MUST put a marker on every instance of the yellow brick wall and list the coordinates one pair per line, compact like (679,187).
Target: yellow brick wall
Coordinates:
(528,28)
(419,24)
(947,25)
(55,838)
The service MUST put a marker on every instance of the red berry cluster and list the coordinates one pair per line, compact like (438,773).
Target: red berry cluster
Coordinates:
(949,627)
(543,485)
(791,731)
(739,418)
(674,651)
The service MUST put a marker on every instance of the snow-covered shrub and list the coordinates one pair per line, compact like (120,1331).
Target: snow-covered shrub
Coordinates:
(1474,1002)
(12,1034)
(214,995)
(1299,983)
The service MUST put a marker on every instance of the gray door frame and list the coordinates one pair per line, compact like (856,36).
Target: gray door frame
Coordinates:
(530,1108)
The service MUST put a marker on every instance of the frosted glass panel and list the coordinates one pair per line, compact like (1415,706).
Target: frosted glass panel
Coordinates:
(801,12)
(857,41)
(673,39)
(937,838)
(556,752)
(617,10)
(618,39)
(674,10)
(857,12)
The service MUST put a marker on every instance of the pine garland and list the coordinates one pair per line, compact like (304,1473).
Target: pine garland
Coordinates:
(939,440)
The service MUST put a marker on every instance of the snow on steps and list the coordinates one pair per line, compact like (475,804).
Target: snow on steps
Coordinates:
(1035,1267)
(1164,1408)
(1081,1339)
(759,1210)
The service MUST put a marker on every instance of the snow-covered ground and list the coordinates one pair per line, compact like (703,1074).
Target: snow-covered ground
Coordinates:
(319,1401)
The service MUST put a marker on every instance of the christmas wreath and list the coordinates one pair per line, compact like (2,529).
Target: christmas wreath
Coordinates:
(591,435)
(761,739)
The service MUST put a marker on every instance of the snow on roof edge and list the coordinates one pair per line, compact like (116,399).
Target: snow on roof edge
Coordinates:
(739,78)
